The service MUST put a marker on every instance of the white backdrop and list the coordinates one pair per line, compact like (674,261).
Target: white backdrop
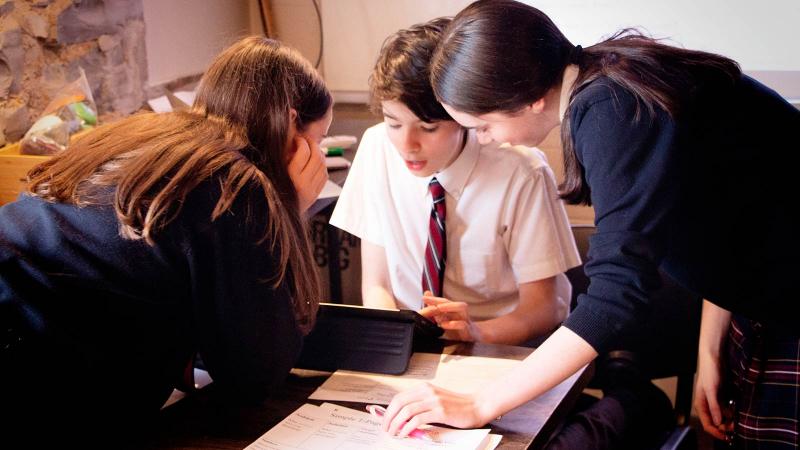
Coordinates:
(763,36)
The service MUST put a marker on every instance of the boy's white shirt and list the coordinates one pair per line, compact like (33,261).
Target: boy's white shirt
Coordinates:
(505,224)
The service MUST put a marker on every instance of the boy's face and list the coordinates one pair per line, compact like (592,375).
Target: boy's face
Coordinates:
(425,147)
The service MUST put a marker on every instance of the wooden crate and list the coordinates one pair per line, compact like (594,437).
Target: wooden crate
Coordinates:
(13,171)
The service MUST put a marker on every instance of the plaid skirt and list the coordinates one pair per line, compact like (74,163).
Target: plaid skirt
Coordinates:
(764,384)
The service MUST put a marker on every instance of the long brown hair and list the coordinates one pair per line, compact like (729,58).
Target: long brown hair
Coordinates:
(237,130)
(501,55)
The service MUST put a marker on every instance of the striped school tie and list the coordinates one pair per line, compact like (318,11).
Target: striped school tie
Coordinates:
(436,250)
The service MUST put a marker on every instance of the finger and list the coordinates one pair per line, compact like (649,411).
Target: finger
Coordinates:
(406,413)
(391,411)
(415,422)
(313,144)
(321,175)
(727,428)
(716,434)
(429,312)
(710,398)
(452,307)
(706,421)
(317,181)
(317,176)
(316,156)
(302,154)
(399,401)
(431,300)
(703,414)
(454,325)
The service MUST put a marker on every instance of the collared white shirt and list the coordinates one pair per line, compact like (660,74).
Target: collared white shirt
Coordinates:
(505,224)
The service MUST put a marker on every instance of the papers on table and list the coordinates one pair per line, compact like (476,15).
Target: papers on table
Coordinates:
(330,190)
(457,373)
(336,162)
(172,101)
(342,141)
(331,426)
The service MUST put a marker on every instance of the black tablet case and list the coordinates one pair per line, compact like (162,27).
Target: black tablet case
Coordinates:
(362,339)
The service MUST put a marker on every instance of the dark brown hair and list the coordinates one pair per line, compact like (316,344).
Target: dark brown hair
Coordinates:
(402,71)
(237,130)
(501,55)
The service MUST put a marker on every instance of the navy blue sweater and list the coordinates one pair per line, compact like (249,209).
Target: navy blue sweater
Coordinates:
(705,195)
(120,318)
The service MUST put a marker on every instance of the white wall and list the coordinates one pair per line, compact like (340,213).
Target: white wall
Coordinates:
(183,36)
(296,25)
(764,37)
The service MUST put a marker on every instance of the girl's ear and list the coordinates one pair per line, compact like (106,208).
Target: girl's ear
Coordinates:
(292,123)
(291,133)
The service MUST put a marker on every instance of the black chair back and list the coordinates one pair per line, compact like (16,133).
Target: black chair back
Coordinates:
(666,340)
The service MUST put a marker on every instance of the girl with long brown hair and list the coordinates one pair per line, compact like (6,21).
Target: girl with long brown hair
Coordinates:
(687,163)
(162,236)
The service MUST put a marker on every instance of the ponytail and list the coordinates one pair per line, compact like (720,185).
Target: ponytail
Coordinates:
(502,55)
(659,76)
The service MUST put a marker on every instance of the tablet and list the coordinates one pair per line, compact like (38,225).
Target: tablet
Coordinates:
(364,339)
(422,327)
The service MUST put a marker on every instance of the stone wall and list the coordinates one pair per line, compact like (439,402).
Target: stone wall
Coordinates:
(44,43)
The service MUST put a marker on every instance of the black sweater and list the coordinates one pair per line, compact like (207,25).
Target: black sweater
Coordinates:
(119,318)
(705,195)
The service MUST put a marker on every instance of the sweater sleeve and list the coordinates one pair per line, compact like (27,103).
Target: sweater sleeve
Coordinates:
(245,328)
(629,158)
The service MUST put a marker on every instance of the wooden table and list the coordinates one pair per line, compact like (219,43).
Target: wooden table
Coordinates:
(198,423)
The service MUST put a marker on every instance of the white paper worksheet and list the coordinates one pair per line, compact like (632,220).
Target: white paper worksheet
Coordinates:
(338,428)
(457,373)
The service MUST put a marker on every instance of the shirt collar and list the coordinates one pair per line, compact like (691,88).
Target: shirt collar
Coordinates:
(454,177)
(567,82)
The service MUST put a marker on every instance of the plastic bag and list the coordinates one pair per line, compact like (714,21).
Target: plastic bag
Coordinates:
(71,110)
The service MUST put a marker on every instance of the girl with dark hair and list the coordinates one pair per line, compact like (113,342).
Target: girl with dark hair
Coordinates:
(498,275)
(161,236)
(664,142)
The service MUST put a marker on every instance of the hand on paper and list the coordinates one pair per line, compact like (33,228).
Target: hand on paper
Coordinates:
(452,316)
(428,403)
(307,171)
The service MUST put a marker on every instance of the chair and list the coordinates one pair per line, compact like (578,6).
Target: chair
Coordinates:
(665,342)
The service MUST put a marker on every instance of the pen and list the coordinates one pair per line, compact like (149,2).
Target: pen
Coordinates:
(379,411)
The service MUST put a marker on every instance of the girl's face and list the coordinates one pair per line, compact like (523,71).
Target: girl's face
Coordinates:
(313,132)
(425,147)
(316,130)
(524,127)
